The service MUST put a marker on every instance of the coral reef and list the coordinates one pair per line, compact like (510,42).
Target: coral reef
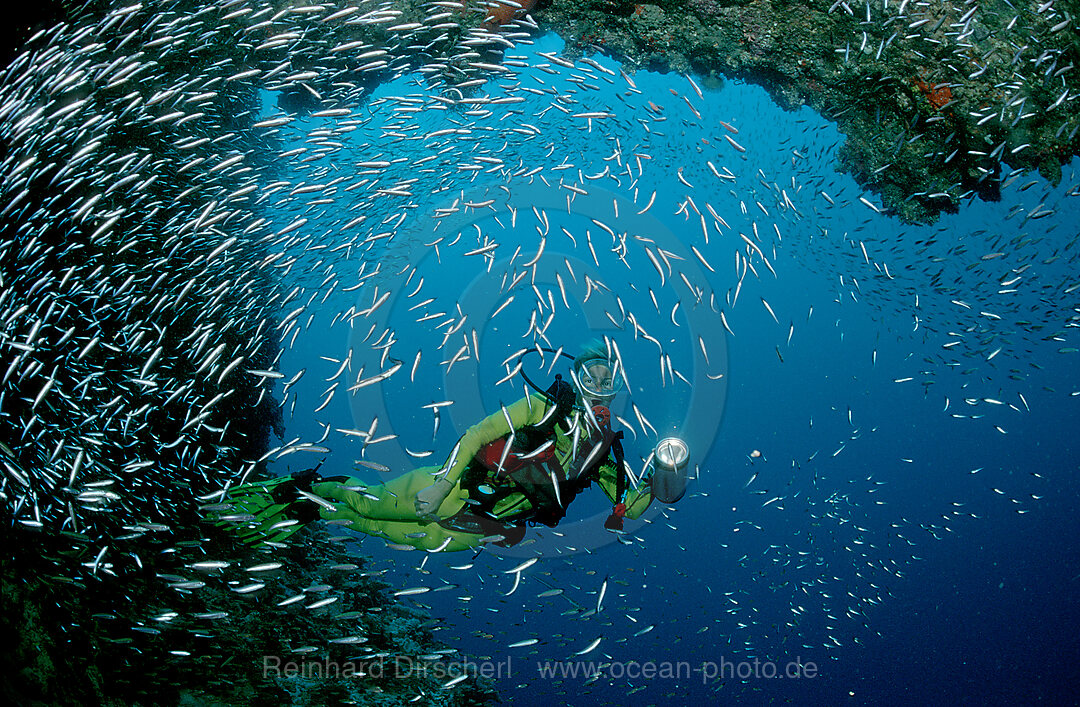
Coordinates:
(191,634)
(129,329)
(933,97)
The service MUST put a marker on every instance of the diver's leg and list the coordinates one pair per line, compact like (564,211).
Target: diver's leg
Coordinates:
(393,500)
(425,536)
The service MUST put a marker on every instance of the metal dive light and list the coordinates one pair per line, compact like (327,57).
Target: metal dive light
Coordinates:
(669,469)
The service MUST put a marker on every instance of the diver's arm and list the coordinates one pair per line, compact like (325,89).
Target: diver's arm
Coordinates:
(526,411)
(636,500)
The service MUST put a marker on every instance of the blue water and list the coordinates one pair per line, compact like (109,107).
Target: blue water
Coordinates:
(894,537)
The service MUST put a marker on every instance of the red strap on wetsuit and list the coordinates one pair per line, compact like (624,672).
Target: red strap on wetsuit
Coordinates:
(490,454)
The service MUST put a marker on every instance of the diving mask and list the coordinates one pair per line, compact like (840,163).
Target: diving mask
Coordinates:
(598,380)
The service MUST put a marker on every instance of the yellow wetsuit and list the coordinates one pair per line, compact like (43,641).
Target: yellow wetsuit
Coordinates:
(389,510)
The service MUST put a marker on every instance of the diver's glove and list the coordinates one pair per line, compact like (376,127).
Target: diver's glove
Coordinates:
(429,499)
(615,520)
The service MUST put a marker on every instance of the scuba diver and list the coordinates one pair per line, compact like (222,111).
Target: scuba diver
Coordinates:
(521,465)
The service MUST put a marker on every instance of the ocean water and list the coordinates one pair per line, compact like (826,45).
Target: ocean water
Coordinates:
(880,416)
(884,471)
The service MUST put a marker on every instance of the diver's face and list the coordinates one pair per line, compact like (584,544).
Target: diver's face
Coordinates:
(599,379)
(598,383)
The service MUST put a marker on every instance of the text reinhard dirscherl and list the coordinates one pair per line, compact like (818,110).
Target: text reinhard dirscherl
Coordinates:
(454,671)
